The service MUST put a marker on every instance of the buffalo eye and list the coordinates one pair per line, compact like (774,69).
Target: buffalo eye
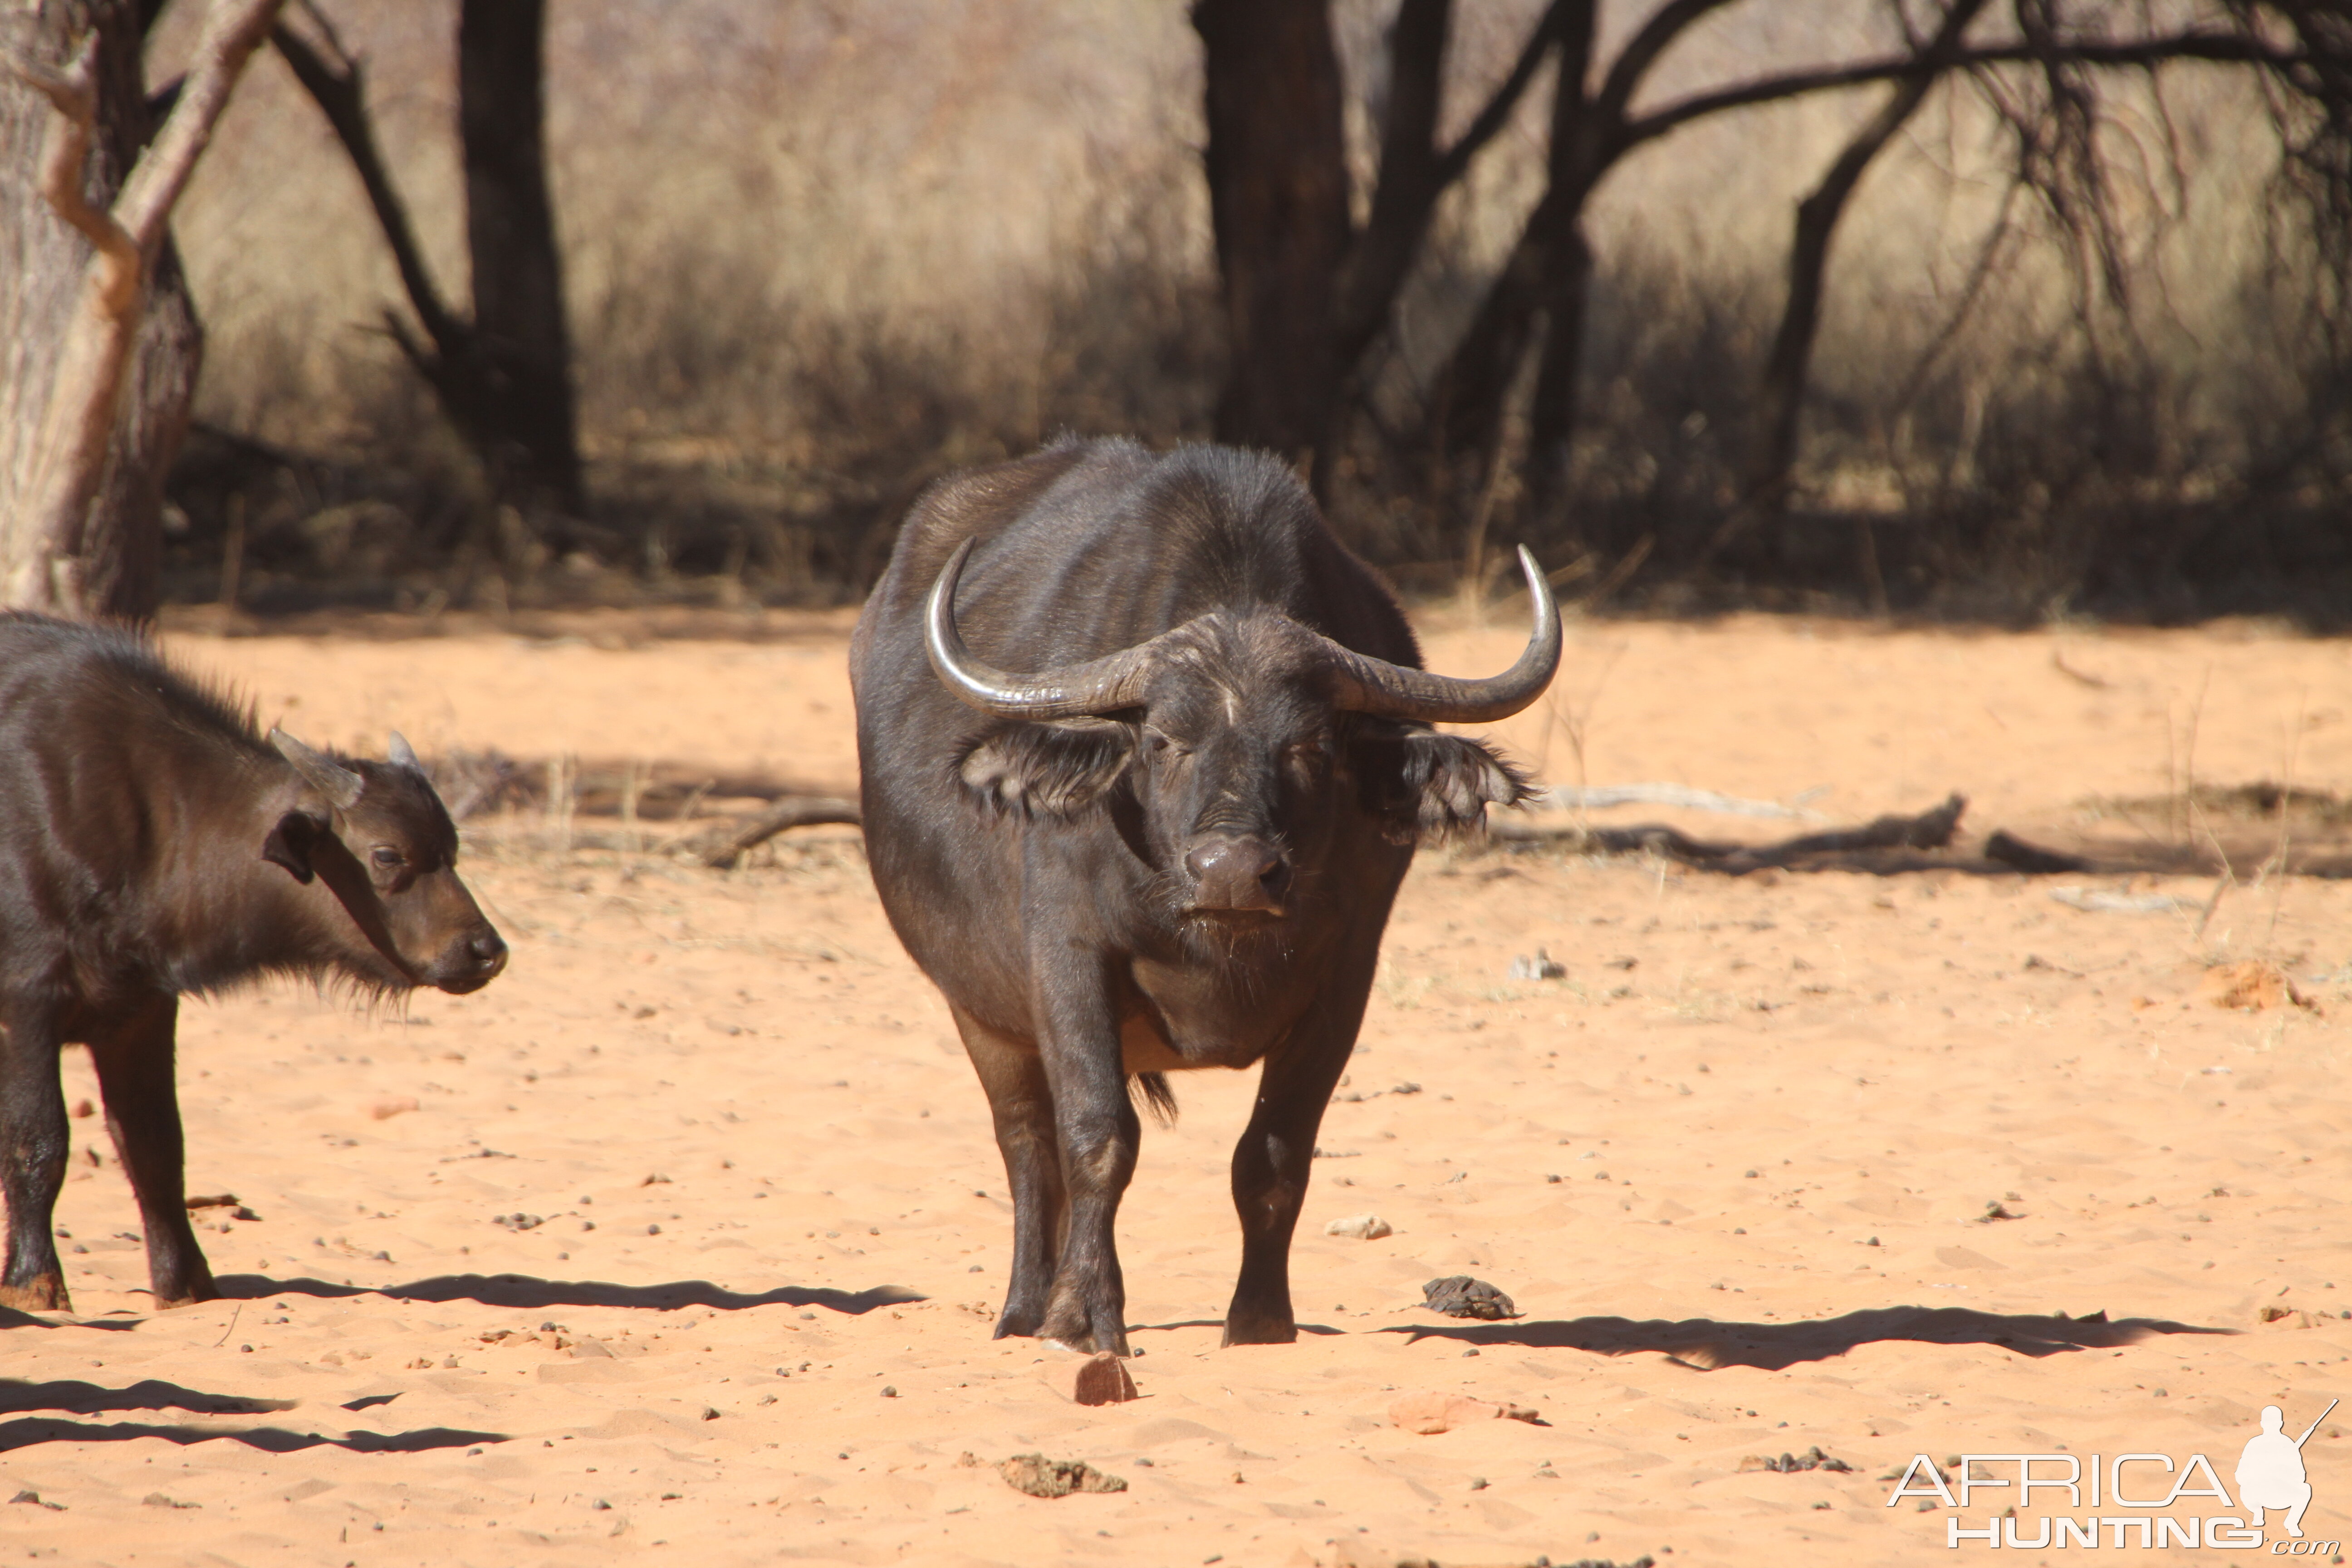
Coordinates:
(1160,746)
(388,858)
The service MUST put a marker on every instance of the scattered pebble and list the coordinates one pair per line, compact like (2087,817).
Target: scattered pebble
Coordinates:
(385,1109)
(1542,966)
(157,1499)
(1811,1458)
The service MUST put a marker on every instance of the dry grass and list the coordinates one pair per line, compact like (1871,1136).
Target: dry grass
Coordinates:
(818,255)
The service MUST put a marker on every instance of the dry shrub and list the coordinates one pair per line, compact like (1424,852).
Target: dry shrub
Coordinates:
(817,255)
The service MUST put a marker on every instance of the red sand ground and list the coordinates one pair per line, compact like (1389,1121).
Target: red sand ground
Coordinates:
(1733,1168)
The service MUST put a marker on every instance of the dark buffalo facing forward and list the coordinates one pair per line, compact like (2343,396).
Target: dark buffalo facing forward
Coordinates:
(1146,753)
(153,844)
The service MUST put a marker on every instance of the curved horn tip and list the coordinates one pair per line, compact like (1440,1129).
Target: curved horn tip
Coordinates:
(402,755)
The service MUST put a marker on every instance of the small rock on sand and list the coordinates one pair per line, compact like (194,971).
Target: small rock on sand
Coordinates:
(1103,1380)
(1811,1458)
(1459,1296)
(1430,1413)
(1041,1477)
(1361,1227)
(1542,966)
(385,1109)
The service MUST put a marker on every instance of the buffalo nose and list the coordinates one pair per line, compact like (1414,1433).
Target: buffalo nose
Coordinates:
(1237,874)
(488,950)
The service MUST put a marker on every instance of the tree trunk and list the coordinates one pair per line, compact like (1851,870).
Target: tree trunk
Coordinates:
(1780,405)
(42,267)
(1278,200)
(519,331)
(1544,276)
(1575,158)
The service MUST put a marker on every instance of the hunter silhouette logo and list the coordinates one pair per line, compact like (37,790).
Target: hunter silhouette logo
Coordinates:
(2125,1501)
(2270,1473)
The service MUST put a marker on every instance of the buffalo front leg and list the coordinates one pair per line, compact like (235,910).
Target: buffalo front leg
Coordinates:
(1014,1081)
(1277,1152)
(1098,1134)
(34,1143)
(137,1077)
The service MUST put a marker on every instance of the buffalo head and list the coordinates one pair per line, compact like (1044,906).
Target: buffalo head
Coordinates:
(1238,737)
(377,834)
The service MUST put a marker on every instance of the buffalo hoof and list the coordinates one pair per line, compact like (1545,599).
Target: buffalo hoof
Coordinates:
(1250,1330)
(193,1296)
(1069,1332)
(46,1294)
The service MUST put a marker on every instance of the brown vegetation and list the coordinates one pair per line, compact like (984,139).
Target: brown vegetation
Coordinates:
(2079,343)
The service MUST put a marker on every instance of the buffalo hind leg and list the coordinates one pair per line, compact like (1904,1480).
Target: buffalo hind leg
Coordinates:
(137,1077)
(1014,1081)
(34,1143)
(1277,1152)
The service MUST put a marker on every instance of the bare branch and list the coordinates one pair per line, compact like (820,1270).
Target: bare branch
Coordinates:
(74,95)
(336,81)
(1641,51)
(1456,160)
(2193,45)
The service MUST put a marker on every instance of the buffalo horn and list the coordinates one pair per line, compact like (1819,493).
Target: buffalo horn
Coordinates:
(337,783)
(1098,686)
(1362,684)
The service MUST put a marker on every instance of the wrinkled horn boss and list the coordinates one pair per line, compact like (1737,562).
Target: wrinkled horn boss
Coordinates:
(1359,683)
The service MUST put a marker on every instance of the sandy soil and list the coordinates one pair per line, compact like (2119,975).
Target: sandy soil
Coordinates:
(1734,1168)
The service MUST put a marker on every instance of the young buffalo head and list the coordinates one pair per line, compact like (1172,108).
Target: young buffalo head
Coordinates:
(376,836)
(1237,736)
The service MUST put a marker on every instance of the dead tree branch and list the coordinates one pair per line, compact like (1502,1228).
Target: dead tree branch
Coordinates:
(336,80)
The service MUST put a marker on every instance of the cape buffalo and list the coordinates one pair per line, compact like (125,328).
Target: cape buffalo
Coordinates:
(153,844)
(1170,839)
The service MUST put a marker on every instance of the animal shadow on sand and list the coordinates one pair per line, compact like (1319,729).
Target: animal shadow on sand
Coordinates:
(75,1398)
(523,1290)
(1706,1344)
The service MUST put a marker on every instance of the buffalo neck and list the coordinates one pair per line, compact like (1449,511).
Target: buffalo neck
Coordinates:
(224,914)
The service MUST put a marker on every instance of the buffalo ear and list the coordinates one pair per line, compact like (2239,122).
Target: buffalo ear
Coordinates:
(288,844)
(1428,787)
(1048,770)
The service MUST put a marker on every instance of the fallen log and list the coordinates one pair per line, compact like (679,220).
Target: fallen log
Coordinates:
(2018,855)
(723,847)
(1927,830)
